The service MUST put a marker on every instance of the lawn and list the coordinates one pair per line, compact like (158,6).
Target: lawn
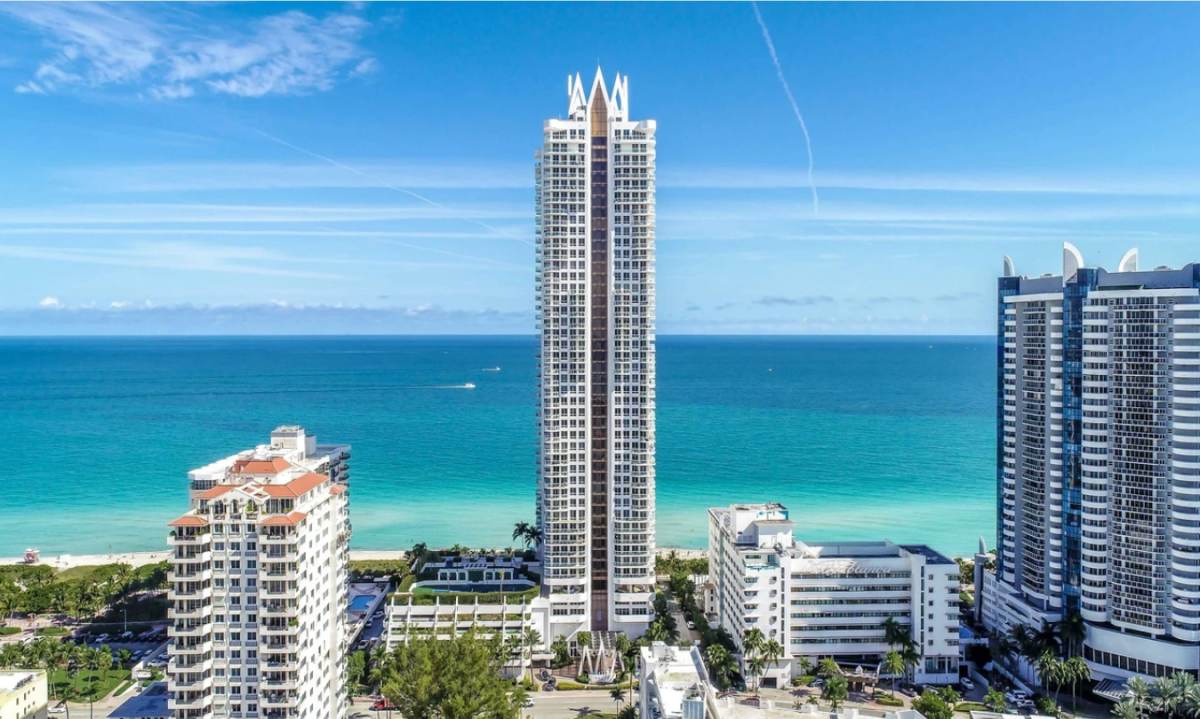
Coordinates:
(52,632)
(88,681)
(970,707)
(9,631)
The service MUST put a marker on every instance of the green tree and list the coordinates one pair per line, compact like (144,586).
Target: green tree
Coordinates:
(756,666)
(1127,708)
(911,655)
(720,664)
(828,668)
(562,652)
(772,652)
(123,657)
(458,678)
(933,706)
(356,668)
(1139,691)
(893,664)
(806,666)
(617,694)
(950,696)
(1073,631)
(1049,670)
(1047,637)
(530,639)
(1076,672)
(582,639)
(836,691)
(894,633)
(994,700)
(521,531)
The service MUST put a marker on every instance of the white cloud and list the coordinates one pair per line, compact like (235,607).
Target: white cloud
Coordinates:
(166,53)
(50,303)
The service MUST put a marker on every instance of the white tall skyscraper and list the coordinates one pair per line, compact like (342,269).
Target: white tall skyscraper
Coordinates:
(595,300)
(1098,462)
(258,585)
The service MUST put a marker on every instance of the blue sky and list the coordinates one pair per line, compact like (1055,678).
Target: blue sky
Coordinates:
(248,167)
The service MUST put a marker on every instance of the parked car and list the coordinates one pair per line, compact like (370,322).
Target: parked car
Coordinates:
(527,702)
(966,683)
(691,624)
(59,708)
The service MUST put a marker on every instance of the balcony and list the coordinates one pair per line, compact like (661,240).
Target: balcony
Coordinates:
(190,594)
(279,630)
(197,701)
(196,612)
(179,649)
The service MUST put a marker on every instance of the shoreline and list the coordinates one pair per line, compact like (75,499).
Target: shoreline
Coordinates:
(141,559)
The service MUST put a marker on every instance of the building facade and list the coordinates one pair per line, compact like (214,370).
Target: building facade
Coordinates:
(257,585)
(1098,461)
(23,694)
(595,188)
(829,600)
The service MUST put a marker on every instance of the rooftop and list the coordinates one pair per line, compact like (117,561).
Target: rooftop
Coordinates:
(12,680)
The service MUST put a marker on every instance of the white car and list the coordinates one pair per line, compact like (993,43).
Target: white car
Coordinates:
(59,708)
(966,683)
(527,702)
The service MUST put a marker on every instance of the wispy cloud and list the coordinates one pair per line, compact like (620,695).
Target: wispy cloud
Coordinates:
(274,317)
(173,256)
(889,300)
(285,175)
(1095,183)
(165,52)
(204,214)
(958,297)
(808,301)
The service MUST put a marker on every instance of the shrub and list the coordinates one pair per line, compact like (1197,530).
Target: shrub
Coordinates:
(888,701)
(9,631)
(803,680)
(1046,705)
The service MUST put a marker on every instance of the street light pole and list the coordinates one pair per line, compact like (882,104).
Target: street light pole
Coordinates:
(125,613)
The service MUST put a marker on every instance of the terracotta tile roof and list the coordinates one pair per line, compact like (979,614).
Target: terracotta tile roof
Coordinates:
(296,487)
(280,520)
(261,466)
(216,491)
(189,520)
(337,489)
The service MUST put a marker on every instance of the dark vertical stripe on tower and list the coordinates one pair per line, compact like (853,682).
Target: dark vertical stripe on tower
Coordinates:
(598,351)
(1008,286)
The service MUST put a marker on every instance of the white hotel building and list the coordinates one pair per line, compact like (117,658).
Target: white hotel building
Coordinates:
(1098,461)
(829,600)
(258,585)
(595,188)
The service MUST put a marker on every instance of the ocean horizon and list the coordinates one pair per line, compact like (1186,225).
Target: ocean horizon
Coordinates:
(862,437)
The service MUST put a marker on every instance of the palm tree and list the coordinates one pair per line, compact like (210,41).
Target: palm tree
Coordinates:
(560,649)
(1139,691)
(1076,670)
(720,664)
(805,666)
(1048,670)
(828,668)
(521,531)
(757,665)
(1191,703)
(584,639)
(911,656)
(658,632)
(104,658)
(533,537)
(1005,649)
(894,633)
(773,651)
(1073,631)
(995,701)
(893,664)
(950,696)
(1127,709)
(754,641)
(531,638)
(617,694)
(1047,637)
(1168,694)
(835,691)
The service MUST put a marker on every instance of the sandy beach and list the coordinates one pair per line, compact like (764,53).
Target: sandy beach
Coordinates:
(140,559)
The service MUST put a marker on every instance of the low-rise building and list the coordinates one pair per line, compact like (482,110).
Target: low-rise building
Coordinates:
(822,600)
(673,683)
(407,620)
(23,694)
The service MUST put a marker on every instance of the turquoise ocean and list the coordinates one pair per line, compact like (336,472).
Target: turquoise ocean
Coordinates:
(861,438)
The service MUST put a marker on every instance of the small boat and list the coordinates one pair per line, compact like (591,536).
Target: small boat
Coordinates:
(469,385)
(491,369)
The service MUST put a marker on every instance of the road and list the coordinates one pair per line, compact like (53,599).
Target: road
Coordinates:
(566,705)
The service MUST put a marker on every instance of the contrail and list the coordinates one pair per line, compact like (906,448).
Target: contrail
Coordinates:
(795,108)
(410,193)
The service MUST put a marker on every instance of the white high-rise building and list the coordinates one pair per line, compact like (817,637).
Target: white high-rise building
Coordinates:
(258,585)
(595,302)
(1098,461)
(829,599)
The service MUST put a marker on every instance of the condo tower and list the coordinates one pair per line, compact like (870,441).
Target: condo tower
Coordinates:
(595,304)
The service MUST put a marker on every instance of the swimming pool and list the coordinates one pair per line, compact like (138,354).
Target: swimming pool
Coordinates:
(361,603)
